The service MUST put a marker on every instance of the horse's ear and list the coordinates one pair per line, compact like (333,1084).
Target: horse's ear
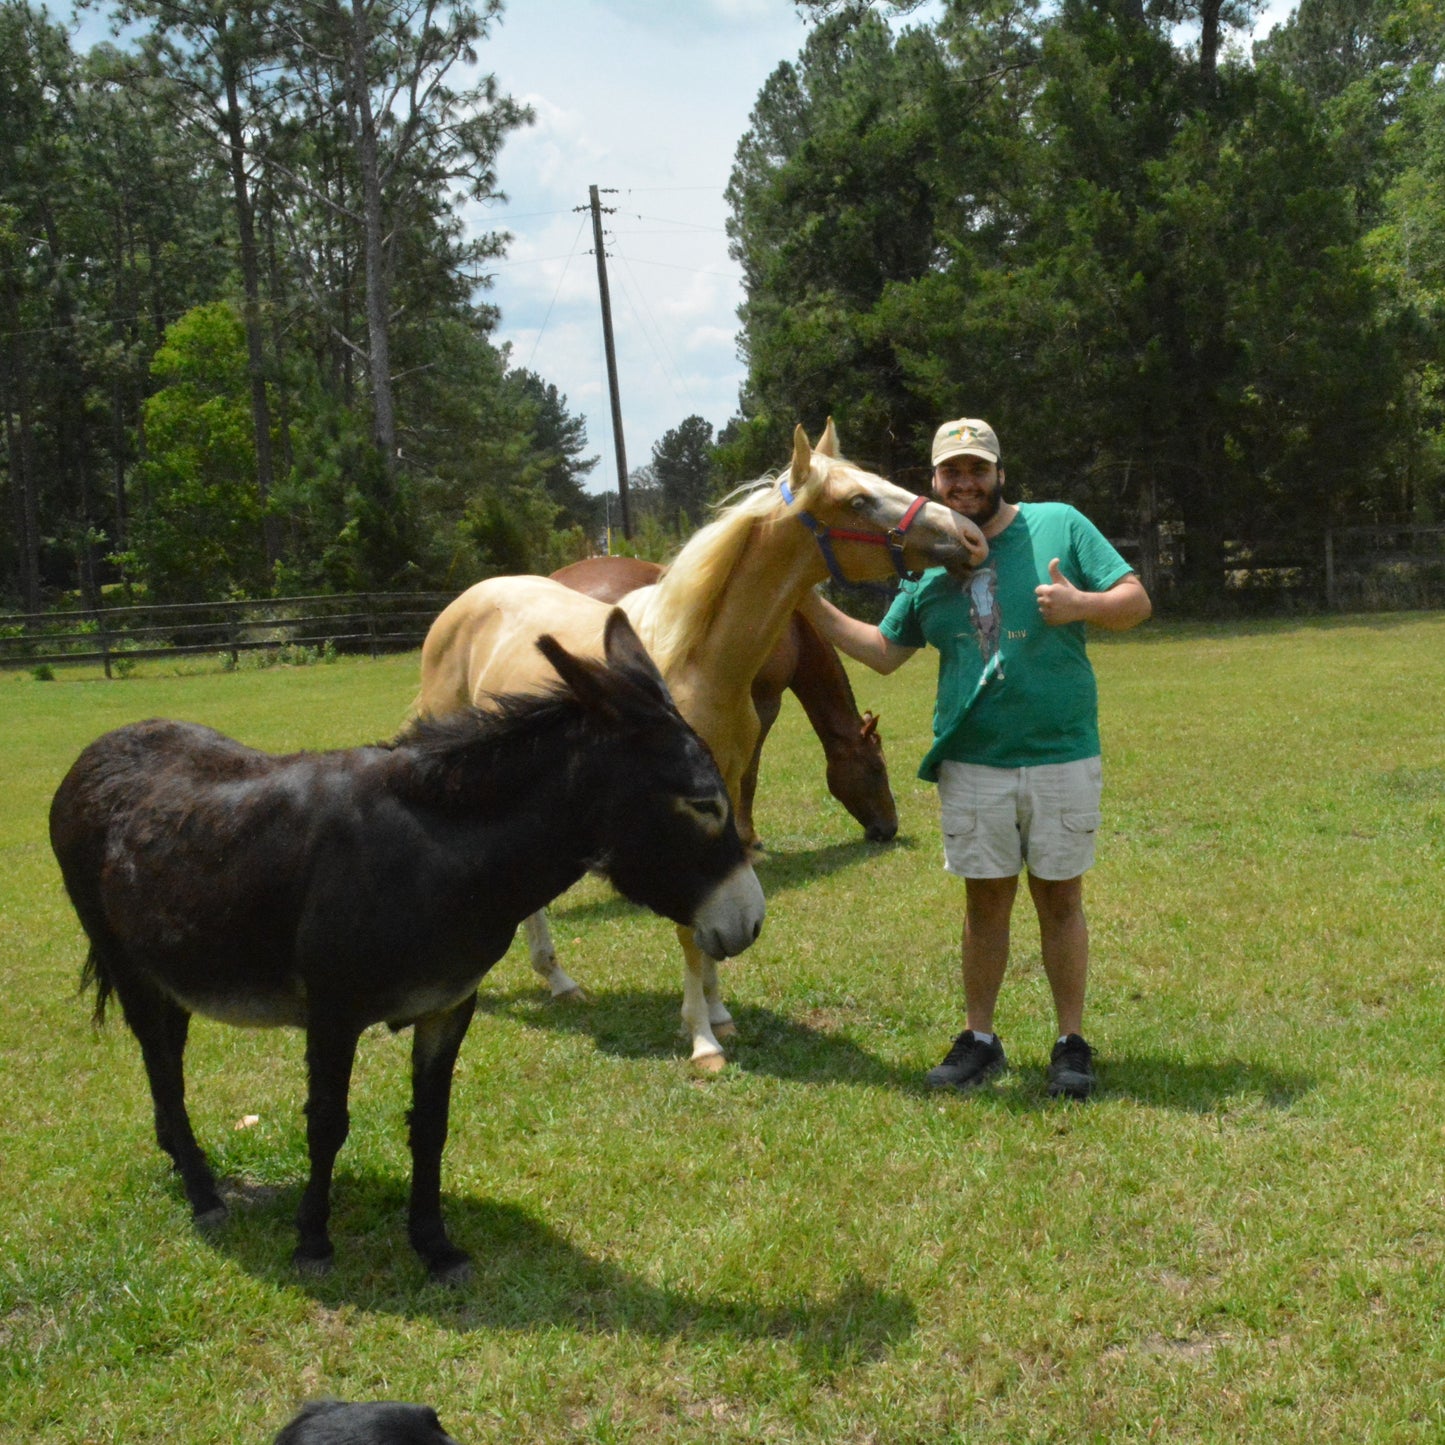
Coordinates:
(870,724)
(626,654)
(802,469)
(828,442)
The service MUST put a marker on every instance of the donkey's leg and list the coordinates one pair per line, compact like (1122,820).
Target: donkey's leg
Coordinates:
(707,1053)
(330,1053)
(544,959)
(435,1042)
(160,1027)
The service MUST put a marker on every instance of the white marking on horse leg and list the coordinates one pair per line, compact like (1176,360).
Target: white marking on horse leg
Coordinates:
(707,1053)
(718,1016)
(544,958)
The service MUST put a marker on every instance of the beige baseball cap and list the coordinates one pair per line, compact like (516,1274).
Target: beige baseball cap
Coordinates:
(967,437)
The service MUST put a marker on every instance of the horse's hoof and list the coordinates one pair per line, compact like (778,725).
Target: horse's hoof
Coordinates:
(211,1216)
(709,1063)
(575,994)
(728,1030)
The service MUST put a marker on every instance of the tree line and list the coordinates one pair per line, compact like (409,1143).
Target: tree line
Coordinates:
(1197,291)
(245,347)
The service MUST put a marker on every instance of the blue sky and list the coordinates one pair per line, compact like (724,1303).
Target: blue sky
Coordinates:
(646,100)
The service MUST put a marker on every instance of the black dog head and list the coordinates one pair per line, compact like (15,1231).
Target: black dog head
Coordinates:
(332,1422)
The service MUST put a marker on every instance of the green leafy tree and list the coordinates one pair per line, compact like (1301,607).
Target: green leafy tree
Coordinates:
(832,200)
(377,76)
(220,57)
(557,443)
(199,535)
(682,470)
(1140,258)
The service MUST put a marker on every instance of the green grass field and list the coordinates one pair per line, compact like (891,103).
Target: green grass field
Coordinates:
(1241,1238)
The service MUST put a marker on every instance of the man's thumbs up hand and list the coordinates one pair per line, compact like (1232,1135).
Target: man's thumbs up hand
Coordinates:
(1059,600)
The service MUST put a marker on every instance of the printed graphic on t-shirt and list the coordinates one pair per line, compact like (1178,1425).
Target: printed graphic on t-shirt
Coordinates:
(987,619)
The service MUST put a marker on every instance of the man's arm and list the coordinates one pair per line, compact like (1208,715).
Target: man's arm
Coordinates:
(1124,605)
(862,641)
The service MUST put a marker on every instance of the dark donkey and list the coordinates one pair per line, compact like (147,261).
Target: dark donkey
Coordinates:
(332,891)
(805,662)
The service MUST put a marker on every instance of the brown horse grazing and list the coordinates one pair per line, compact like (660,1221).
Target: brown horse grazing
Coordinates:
(332,891)
(709,624)
(807,664)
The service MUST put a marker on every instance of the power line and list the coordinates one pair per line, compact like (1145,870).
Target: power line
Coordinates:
(538,340)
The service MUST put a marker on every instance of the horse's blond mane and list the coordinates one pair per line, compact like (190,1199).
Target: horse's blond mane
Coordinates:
(682,605)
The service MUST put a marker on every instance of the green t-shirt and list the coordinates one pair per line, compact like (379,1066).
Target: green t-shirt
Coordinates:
(1013,692)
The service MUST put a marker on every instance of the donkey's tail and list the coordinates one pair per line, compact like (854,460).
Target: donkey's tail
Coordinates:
(96,975)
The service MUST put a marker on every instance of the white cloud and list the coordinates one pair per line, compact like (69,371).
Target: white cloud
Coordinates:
(646,101)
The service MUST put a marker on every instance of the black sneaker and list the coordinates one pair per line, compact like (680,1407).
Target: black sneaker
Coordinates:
(969,1063)
(1071,1069)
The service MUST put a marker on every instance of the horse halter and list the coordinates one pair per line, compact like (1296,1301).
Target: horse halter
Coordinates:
(824,536)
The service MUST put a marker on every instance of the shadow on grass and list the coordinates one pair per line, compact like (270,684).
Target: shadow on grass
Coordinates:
(527,1276)
(644,1024)
(1233,1087)
(778,871)
(1200,1087)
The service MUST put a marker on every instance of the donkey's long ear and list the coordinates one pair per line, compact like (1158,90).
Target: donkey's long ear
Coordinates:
(828,442)
(626,654)
(592,684)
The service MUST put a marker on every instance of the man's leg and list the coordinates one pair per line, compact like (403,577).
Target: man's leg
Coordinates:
(1064,936)
(990,904)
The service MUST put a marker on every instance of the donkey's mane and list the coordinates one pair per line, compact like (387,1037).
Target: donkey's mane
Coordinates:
(475,747)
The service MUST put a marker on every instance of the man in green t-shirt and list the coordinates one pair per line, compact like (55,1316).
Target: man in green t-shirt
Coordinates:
(1015,732)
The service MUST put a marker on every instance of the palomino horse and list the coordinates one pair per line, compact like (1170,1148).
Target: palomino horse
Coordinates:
(805,662)
(333,891)
(709,624)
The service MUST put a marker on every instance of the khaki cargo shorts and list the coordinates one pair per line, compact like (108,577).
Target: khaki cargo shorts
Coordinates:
(997,819)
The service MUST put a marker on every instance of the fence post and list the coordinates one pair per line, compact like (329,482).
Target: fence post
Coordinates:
(371,623)
(1329,569)
(104,639)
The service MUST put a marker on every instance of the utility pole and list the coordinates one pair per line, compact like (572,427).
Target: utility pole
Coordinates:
(597,209)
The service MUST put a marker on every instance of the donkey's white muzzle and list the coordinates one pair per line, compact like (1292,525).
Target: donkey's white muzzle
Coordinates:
(731,916)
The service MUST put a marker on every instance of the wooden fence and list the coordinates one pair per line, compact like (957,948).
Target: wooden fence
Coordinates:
(1384,567)
(368,622)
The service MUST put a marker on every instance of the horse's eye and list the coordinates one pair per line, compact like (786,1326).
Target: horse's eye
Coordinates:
(859,504)
(706,808)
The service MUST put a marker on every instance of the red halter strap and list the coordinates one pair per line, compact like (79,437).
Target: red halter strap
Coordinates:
(892,539)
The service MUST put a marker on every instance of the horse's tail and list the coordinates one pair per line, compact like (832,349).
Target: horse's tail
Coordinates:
(96,975)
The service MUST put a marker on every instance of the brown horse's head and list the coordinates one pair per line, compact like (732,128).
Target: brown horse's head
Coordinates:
(858,778)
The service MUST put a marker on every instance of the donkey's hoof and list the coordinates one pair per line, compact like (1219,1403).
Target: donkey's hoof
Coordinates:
(709,1063)
(313,1266)
(452,1271)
